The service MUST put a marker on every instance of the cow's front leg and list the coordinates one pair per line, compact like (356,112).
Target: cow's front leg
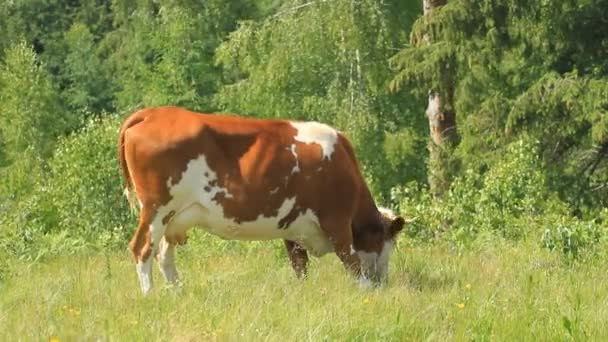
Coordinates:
(166,261)
(298,257)
(340,234)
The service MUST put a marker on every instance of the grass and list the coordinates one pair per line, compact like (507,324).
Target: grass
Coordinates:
(499,291)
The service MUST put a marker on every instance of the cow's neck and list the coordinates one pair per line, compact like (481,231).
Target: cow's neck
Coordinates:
(367,212)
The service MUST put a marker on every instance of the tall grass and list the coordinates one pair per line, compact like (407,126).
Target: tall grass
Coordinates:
(500,291)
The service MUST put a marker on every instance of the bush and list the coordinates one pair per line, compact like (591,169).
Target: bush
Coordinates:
(75,201)
(510,200)
(85,184)
(500,200)
(574,237)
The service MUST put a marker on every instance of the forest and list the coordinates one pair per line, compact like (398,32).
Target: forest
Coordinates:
(486,122)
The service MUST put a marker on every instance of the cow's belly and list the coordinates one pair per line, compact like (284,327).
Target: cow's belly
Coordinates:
(194,204)
(304,229)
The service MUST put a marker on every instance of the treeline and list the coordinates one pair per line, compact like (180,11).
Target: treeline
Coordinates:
(514,139)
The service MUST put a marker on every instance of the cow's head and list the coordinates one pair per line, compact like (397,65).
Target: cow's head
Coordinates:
(375,244)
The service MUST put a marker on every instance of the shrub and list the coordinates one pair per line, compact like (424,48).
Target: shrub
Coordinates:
(75,199)
(574,237)
(499,200)
(85,184)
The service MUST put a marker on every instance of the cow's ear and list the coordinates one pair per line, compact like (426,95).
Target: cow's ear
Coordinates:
(397,225)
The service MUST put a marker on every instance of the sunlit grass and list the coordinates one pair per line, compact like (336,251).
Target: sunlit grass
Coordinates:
(495,292)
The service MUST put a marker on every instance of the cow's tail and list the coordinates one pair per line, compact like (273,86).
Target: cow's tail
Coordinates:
(128,191)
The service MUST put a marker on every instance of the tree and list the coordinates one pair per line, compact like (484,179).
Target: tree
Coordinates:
(521,68)
(440,110)
(327,61)
(31,115)
(162,52)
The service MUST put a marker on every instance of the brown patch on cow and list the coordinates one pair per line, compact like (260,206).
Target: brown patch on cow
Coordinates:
(168,217)
(293,214)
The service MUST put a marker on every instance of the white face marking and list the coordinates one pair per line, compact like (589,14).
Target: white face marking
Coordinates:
(296,167)
(374,266)
(316,133)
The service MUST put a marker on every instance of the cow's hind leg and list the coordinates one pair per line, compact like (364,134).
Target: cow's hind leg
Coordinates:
(298,257)
(166,261)
(144,245)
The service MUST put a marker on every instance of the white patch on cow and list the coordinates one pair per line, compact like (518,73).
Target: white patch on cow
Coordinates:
(352,250)
(296,167)
(274,191)
(316,133)
(194,206)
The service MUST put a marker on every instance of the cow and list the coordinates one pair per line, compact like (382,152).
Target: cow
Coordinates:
(250,179)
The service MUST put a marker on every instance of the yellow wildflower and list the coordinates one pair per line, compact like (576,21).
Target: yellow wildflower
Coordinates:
(460,305)
(468,286)
(366,300)
(54,339)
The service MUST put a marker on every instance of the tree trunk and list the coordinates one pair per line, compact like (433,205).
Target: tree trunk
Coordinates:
(442,124)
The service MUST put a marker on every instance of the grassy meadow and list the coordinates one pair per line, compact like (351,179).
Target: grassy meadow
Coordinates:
(247,291)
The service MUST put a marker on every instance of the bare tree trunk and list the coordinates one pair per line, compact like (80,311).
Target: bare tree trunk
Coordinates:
(442,123)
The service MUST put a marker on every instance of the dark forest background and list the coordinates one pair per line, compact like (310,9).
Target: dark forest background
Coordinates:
(478,118)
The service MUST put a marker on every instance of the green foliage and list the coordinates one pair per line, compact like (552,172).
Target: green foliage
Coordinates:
(579,147)
(74,202)
(325,61)
(163,55)
(509,200)
(87,89)
(29,103)
(517,68)
(84,183)
(499,201)
(574,237)
(529,80)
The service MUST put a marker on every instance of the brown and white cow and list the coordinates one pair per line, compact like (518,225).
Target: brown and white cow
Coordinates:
(250,179)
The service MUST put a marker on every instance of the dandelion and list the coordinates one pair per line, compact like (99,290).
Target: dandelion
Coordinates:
(54,339)
(366,301)
(468,286)
(460,306)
